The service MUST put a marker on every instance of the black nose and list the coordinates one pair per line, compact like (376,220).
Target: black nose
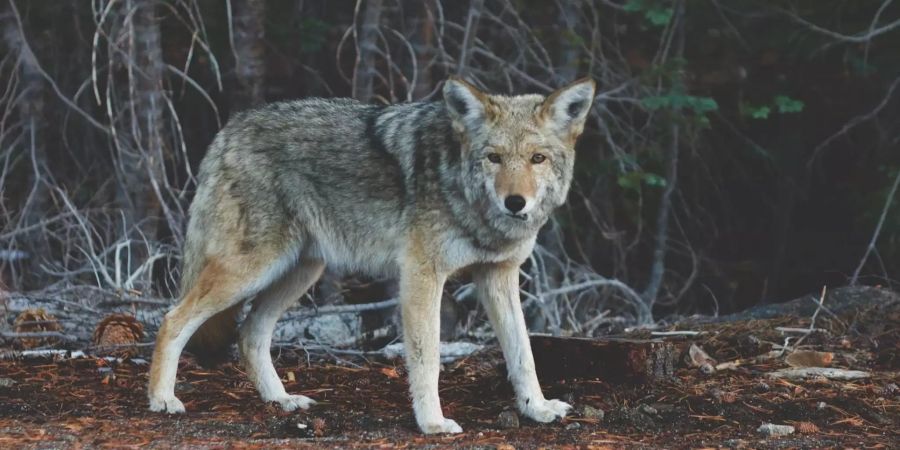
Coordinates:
(514,203)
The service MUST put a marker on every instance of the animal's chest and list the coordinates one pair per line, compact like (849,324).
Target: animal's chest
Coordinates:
(460,252)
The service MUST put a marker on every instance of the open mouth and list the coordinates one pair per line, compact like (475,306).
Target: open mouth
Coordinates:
(522,217)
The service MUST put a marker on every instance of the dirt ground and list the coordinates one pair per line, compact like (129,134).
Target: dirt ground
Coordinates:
(91,402)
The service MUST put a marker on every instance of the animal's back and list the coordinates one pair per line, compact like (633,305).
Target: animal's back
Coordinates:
(315,170)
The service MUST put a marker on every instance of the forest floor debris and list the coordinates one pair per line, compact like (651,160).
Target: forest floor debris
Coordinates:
(54,400)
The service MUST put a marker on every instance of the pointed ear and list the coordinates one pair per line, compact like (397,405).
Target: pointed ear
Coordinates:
(464,102)
(566,110)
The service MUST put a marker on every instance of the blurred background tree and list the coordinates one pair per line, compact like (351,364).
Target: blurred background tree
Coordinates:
(739,152)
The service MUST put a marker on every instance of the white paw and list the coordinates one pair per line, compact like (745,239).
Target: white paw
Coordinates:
(292,402)
(168,404)
(545,410)
(440,426)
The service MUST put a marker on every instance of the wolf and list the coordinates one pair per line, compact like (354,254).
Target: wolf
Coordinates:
(416,191)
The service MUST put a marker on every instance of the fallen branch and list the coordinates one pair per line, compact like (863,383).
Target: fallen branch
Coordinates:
(342,309)
(675,333)
(812,372)
(38,354)
(730,365)
(37,334)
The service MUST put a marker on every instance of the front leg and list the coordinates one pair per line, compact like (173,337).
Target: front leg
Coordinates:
(420,298)
(498,289)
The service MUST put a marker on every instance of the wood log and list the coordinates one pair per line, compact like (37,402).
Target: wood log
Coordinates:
(840,301)
(613,360)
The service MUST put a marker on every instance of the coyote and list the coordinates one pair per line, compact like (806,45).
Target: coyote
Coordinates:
(416,191)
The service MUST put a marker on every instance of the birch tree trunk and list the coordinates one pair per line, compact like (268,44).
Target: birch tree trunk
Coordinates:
(249,53)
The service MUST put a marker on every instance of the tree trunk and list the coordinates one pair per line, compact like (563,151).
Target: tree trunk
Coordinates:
(421,25)
(249,53)
(475,8)
(568,51)
(613,360)
(366,47)
(144,167)
(30,106)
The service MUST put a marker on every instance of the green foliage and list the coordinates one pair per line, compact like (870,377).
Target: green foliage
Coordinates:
(781,104)
(677,99)
(632,181)
(786,104)
(756,112)
(657,12)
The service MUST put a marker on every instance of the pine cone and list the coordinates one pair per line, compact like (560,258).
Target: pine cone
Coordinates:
(36,320)
(116,334)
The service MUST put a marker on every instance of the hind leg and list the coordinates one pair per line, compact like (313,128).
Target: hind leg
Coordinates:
(222,283)
(256,332)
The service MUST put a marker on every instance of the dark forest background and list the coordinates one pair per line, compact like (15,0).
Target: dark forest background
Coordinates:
(739,152)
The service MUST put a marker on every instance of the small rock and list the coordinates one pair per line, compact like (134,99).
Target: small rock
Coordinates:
(589,412)
(573,426)
(332,329)
(821,406)
(304,431)
(508,419)
(7,382)
(632,417)
(773,430)
(663,408)
(751,340)
(648,410)
(890,390)
(762,387)
(736,443)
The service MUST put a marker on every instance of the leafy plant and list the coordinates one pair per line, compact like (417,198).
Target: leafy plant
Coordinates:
(658,13)
(756,112)
(631,181)
(782,104)
(786,104)
(677,99)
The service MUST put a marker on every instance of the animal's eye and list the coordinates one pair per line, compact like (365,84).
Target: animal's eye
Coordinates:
(494,158)
(538,158)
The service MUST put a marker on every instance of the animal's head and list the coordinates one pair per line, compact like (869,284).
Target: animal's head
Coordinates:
(518,152)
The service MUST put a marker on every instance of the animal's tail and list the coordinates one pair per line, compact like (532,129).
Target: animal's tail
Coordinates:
(211,343)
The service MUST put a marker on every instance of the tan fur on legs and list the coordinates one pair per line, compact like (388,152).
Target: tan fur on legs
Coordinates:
(222,283)
(498,289)
(256,332)
(420,299)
